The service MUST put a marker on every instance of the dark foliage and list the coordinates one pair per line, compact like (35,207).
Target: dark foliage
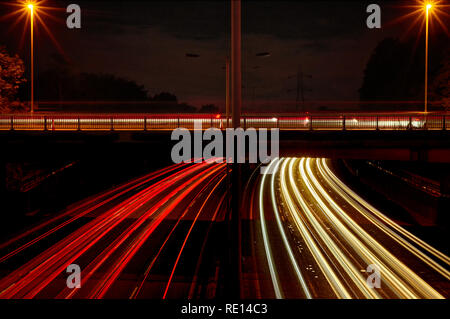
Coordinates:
(395,71)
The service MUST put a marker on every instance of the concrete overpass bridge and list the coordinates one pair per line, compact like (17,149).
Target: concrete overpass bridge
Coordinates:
(389,136)
(289,122)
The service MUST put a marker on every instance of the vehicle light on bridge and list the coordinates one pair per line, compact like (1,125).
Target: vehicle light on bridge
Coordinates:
(416,123)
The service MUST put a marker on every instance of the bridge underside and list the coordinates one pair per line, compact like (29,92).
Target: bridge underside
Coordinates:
(431,146)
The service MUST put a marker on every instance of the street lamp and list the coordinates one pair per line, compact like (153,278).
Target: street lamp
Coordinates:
(228,79)
(31,8)
(428,8)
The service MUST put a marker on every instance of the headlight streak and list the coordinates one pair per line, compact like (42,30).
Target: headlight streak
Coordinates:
(309,236)
(362,251)
(268,251)
(283,234)
(332,278)
(331,234)
(382,258)
(378,218)
(325,213)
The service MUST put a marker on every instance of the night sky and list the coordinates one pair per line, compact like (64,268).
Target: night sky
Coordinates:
(147,42)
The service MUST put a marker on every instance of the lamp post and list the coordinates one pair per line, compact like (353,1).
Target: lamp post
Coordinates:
(227,91)
(428,8)
(236,72)
(227,85)
(227,69)
(234,231)
(31,7)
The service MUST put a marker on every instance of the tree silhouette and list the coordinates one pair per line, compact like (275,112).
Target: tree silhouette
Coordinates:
(164,97)
(395,71)
(60,84)
(209,108)
(61,88)
(11,77)
(440,87)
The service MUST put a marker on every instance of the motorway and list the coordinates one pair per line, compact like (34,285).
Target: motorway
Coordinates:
(152,237)
(304,234)
(314,237)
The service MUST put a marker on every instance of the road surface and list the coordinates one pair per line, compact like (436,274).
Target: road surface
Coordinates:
(304,234)
(314,237)
(154,237)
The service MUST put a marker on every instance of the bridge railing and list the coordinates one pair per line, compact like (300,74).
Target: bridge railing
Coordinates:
(144,122)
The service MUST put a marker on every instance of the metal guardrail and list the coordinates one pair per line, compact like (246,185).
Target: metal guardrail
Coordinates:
(148,122)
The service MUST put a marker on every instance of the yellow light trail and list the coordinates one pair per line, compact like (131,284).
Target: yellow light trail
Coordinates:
(285,240)
(382,222)
(268,251)
(340,246)
(388,264)
(326,268)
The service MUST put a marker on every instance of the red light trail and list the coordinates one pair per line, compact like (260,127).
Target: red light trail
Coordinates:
(157,198)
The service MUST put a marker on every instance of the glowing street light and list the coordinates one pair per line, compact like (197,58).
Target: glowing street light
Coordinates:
(428,8)
(31,7)
(431,9)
